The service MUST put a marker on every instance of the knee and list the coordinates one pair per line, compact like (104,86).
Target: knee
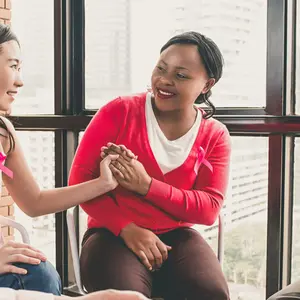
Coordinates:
(10,280)
(48,277)
(206,290)
(43,278)
(116,279)
(220,294)
(213,293)
(118,282)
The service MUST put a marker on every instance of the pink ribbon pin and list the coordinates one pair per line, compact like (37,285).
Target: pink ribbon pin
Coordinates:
(202,160)
(4,169)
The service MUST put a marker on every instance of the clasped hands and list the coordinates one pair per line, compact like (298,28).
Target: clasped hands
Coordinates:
(127,170)
(131,174)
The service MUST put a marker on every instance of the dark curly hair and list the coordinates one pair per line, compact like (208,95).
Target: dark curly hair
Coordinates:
(6,35)
(212,59)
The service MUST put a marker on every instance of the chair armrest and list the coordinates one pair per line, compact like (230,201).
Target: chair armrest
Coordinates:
(221,239)
(74,247)
(290,292)
(18,226)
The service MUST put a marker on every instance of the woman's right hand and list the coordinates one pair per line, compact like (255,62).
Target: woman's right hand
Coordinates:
(13,252)
(146,245)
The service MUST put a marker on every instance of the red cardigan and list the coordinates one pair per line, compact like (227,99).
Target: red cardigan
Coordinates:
(192,193)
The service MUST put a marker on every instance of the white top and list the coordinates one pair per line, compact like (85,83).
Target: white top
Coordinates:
(9,294)
(169,154)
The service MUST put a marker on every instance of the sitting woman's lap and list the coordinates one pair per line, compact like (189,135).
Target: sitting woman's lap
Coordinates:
(191,271)
(42,278)
(107,263)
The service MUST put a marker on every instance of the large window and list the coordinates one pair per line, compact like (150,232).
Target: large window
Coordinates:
(116,44)
(32,20)
(244,215)
(123,40)
(245,212)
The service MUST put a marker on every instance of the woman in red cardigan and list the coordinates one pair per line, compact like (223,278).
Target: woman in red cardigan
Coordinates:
(139,236)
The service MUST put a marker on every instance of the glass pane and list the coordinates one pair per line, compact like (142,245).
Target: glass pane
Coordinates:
(32,20)
(298,61)
(122,46)
(39,151)
(245,215)
(296,215)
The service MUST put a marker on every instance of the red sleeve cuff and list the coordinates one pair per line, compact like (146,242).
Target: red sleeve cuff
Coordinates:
(158,191)
(116,227)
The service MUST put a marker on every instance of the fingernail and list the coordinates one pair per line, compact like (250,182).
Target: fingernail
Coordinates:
(24,272)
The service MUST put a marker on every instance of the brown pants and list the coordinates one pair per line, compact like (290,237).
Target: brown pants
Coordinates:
(192,270)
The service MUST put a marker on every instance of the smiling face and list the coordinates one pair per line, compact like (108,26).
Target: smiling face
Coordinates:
(179,78)
(10,76)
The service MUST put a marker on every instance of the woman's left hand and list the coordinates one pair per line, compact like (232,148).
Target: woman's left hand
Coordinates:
(129,172)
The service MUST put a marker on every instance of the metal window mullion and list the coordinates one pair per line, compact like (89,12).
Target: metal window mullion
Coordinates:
(275,214)
(276,53)
(59,57)
(289,105)
(65,146)
(287,204)
(65,140)
(60,218)
(76,52)
(59,108)
(290,79)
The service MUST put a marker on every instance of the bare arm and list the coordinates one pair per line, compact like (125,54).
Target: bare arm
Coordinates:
(34,202)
